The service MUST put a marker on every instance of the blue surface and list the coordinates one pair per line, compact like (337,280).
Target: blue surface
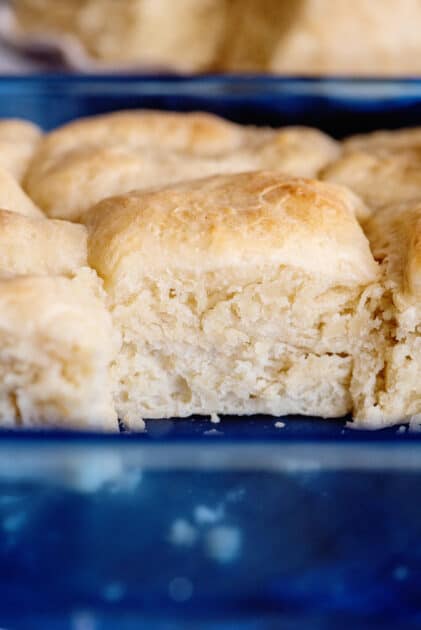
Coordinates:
(340,106)
(307,526)
(250,528)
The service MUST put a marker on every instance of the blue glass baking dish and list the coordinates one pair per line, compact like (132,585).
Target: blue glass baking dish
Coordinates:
(339,106)
(251,523)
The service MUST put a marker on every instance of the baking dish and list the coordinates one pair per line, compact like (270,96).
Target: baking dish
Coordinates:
(246,523)
(339,106)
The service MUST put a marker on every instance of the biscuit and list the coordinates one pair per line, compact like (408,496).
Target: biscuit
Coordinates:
(218,309)
(380,176)
(40,246)
(383,167)
(18,141)
(298,151)
(367,37)
(89,160)
(254,28)
(56,336)
(386,384)
(14,199)
(54,363)
(184,35)
(390,141)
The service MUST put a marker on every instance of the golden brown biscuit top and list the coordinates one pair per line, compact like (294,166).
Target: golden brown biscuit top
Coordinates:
(395,237)
(385,140)
(300,151)
(164,34)
(380,177)
(18,130)
(31,245)
(18,141)
(364,37)
(198,133)
(89,160)
(13,198)
(384,167)
(255,218)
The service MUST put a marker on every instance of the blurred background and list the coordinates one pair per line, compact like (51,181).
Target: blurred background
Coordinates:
(300,37)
